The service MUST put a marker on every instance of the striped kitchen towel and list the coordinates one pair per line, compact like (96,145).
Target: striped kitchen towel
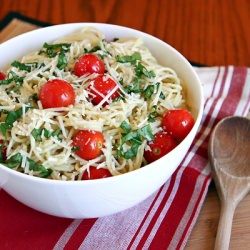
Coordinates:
(163,221)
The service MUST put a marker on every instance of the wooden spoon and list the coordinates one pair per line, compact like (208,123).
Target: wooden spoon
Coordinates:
(229,154)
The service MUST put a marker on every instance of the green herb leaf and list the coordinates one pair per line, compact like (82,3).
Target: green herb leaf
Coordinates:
(59,49)
(153,114)
(132,152)
(24,66)
(13,77)
(16,160)
(149,91)
(12,116)
(37,133)
(134,140)
(125,126)
(42,171)
(146,132)
(129,59)
(141,70)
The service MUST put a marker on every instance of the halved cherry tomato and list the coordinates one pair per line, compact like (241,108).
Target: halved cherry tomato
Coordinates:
(178,123)
(88,144)
(2,76)
(96,173)
(162,145)
(57,93)
(89,64)
(101,87)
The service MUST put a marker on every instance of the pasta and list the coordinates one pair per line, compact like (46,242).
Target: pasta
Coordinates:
(158,89)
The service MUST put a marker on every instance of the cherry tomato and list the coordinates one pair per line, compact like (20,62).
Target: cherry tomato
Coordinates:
(88,144)
(2,76)
(57,93)
(96,173)
(162,145)
(178,123)
(89,64)
(102,86)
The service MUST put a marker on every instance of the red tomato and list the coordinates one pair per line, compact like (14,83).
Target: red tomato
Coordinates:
(101,87)
(57,93)
(162,145)
(96,173)
(2,76)
(178,123)
(89,64)
(88,144)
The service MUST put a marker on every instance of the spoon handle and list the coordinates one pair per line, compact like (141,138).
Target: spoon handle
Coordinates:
(225,225)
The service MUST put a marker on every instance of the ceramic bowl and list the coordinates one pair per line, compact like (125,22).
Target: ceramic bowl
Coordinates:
(96,198)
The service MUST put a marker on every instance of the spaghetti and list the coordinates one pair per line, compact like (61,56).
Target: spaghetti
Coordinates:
(144,97)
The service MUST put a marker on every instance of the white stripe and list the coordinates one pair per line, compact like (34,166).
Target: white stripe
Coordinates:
(150,216)
(243,108)
(186,217)
(115,232)
(67,234)
(185,163)
(164,210)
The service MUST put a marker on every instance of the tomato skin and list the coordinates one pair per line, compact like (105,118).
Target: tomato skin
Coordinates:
(102,86)
(178,123)
(2,76)
(96,173)
(57,93)
(89,142)
(88,64)
(162,145)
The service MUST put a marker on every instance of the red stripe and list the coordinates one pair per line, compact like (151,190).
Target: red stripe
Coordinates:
(158,212)
(80,234)
(24,228)
(235,92)
(168,226)
(203,149)
(145,218)
(228,107)
(195,212)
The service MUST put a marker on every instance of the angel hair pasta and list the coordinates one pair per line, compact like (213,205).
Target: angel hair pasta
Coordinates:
(83,103)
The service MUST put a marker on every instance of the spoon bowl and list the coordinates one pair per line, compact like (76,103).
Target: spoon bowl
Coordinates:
(229,154)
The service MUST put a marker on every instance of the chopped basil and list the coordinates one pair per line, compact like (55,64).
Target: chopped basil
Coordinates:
(153,114)
(39,170)
(12,116)
(129,59)
(149,91)
(133,139)
(37,133)
(62,60)
(24,66)
(75,148)
(13,77)
(52,50)
(125,126)
(94,49)
(141,70)
(33,97)
(14,161)
(59,49)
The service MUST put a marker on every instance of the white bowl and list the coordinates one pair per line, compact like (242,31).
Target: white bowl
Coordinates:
(96,198)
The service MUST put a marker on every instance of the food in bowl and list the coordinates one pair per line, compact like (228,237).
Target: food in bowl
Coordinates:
(84,104)
(105,196)
(83,107)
